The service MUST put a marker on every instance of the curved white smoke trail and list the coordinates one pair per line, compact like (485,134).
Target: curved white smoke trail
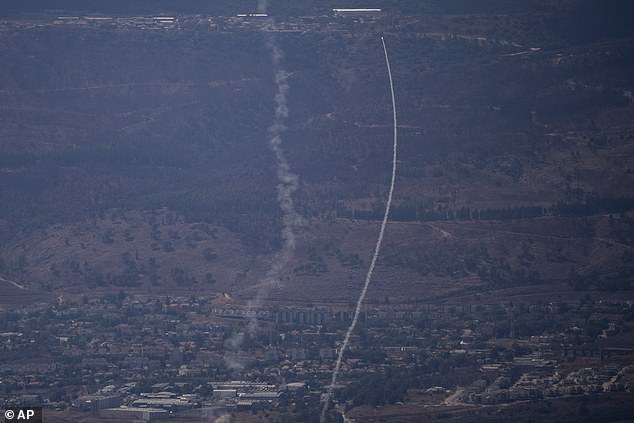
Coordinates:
(377,248)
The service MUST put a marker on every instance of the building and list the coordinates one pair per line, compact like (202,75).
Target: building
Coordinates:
(221,394)
(96,403)
(355,12)
(134,413)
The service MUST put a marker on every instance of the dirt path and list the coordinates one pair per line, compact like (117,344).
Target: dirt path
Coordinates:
(17,285)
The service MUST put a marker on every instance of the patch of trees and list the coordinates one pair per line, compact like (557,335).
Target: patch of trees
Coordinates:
(369,355)
(405,212)
(592,205)
(314,266)
(209,278)
(126,278)
(348,260)
(181,278)
(509,276)
(610,282)
(381,388)
(209,254)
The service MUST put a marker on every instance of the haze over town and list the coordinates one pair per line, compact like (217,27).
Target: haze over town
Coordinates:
(317,211)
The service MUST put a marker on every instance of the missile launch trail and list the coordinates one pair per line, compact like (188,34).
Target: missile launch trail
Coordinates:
(377,249)
(288,182)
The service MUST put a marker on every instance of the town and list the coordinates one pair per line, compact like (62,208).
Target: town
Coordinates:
(140,358)
(196,197)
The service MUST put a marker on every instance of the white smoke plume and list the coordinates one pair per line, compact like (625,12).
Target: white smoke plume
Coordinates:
(288,183)
(377,249)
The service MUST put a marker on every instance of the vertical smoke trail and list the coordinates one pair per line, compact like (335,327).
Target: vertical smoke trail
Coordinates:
(287,185)
(377,248)
(288,181)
